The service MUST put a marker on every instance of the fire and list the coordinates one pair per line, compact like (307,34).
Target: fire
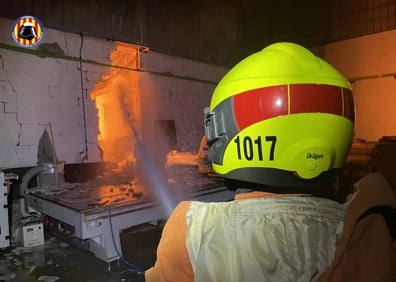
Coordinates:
(118,103)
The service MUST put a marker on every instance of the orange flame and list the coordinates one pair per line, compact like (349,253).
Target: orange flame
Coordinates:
(119,87)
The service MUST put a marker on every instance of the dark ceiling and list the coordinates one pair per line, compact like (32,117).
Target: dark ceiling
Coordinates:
(213,31)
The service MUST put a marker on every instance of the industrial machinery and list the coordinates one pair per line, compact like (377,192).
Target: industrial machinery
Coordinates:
(92,214)
(4,226)
(199,159)
(5,181)
(365,157)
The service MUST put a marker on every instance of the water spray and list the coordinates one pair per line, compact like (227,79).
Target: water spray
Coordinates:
(155,176)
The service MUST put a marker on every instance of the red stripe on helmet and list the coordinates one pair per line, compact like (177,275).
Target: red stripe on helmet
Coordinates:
(312,98)
(260,104)
(264,103)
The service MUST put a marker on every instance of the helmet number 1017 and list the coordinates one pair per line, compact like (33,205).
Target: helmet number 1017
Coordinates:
(249,148)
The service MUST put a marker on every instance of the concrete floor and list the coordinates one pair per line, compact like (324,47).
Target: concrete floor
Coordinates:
(56,260)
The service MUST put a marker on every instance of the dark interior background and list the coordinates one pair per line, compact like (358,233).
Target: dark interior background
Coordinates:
(219,32)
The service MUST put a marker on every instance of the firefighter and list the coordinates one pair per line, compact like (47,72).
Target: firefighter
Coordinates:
(279,127)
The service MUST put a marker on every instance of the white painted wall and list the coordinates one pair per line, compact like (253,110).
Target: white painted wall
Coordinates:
(181,97)
(36,91)
(369,61)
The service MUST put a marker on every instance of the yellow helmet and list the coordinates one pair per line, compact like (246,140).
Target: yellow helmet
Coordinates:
(281,117)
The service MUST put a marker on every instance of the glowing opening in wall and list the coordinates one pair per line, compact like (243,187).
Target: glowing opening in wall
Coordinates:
(117,100)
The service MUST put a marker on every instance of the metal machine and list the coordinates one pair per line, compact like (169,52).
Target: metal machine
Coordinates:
(91,215)
(4,223)
(4,227)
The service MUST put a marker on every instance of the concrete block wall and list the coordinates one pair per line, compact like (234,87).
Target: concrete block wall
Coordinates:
(40,92)
(182,91)
(37,90)
(165,89)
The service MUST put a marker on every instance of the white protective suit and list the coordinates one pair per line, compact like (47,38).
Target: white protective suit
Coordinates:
(256,237)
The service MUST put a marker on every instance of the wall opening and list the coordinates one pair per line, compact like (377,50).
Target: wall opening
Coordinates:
(117,100)
(167,129)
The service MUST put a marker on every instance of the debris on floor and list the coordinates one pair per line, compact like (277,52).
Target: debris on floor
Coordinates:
(56,260)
